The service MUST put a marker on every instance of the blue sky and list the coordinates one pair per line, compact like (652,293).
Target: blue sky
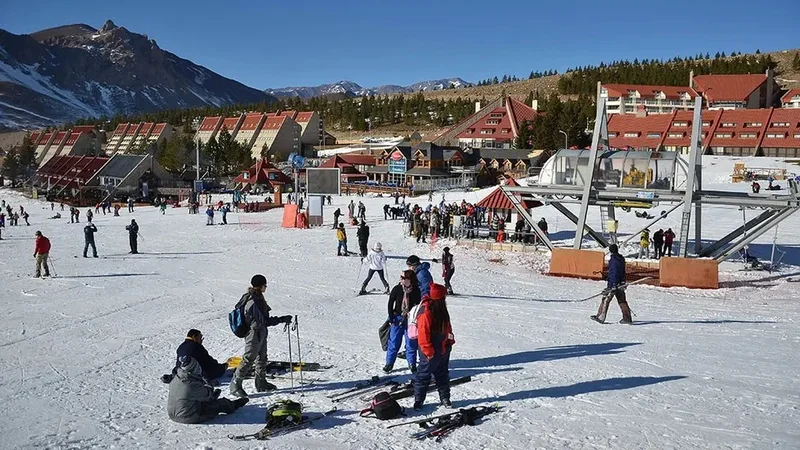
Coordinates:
(272,44)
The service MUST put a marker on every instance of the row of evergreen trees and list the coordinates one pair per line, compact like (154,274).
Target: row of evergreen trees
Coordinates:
(510,78)
(571,116)
(20,163)
(673,72)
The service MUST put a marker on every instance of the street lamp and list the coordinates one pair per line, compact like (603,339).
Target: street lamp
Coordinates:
(566,139)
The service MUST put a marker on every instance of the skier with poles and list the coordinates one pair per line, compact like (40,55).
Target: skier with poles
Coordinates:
(614,288)
(377,263)
(256,312)
(133,236)
(403,299)
(41,251)
(435,337)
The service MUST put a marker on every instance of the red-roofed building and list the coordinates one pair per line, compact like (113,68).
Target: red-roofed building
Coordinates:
(493,126)
(130,136)
(497,203)
(346,164)
(311,130)
(208,129)
(791,99)
(232,124)
(34,138)
(638,132)
(144,133)
(261,173)
(77,144)
(630,98)
(679,135)
(116,138)
(250,128)
(43,145)
(739,132)
(54,149)
(751,91)
(67,172)
(161,132)
(782,134)
(279,136)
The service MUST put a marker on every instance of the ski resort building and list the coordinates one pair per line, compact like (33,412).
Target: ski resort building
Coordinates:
(161,132)
(751,91)
(250,128)
(208,129)
(42,143)
(66,175)
(115,140)
(262,174)
(311,130)
(731,132)
(139,176)
(141,137)
(791,99)
(495,125)
(279,136)
(630,98)
(232,124)
(127,140)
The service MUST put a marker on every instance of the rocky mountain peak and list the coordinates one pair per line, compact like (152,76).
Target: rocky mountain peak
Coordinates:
(108,26)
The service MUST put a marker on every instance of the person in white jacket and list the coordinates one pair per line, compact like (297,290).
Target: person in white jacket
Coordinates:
(377,262)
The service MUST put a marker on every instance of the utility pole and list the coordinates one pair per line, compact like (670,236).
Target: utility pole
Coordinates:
(566,139)
(197,148)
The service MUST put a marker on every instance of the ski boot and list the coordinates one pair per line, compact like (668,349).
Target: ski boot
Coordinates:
(362,292)
(262,385)
(236,388)
(239,402)
(597,319)
(626,313)
(388,368)
(445,402)
(417,406)
(386,291)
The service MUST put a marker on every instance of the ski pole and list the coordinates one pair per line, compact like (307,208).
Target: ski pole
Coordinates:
(52,266)
(291,364)
(140,235)
(296,328)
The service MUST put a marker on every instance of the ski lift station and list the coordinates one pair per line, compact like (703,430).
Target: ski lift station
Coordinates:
(602,179)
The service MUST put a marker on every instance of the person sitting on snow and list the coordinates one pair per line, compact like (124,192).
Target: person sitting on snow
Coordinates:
(192,346)
(191,400)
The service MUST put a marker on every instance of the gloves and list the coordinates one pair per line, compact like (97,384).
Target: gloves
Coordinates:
(286,319)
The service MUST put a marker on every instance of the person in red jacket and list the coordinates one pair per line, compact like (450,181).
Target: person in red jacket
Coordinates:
(435,339)
(669,237)
(41,251)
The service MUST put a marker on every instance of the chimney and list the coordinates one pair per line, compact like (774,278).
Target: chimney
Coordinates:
(535,105)
(641,111)
(691,78)
(477,106)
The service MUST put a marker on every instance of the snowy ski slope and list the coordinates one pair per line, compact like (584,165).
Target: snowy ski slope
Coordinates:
(82,352)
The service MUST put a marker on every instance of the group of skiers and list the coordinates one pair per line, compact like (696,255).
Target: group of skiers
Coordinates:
(13,216)
(662,242)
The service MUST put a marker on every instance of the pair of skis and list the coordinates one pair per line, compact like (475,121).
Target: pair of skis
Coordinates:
(375,382)
(267,432)
(441,425)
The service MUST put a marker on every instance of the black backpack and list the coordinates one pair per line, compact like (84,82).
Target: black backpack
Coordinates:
(383,406)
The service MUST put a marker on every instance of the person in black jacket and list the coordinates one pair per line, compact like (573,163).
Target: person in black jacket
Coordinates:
(88,236)
(192,346)
(402,299)
(133,236)
(615,288)
(363,238)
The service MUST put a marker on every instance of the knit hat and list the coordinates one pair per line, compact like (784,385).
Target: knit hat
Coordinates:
(378,247)
(412,260)
(38,233)
(437,292)
(258,281)
(190,365)
(613,248)
(447,249)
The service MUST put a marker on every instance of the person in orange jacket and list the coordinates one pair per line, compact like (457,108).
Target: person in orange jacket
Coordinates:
(435,339)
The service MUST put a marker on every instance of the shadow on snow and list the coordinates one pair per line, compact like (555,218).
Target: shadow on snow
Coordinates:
(544,354)
(111,275)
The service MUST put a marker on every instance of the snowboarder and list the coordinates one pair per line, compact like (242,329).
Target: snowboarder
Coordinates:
(658,243)
(210,216)
(41,251)
(191,400)
(341,236)
(614,288)
(192,347)
(403,298)
(133,236)
(363,238)
(422,270)
(336,215)
(644,244)
(448,269)
(435,339)
(88,236)
(377,264)
(669,237)
(257,316)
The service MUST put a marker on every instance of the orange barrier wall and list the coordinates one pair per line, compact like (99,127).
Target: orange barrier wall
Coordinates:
(289,216)
(691,273)
(567,262)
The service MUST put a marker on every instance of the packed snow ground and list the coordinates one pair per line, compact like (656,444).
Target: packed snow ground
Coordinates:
(83,351)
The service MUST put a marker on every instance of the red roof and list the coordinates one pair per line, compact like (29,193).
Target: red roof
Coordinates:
(210,123)
(304,116)
(230,123)
(159,128)
(648,91)
(120,129)
(132,129)
(745,127)
(288,113)
(146,128)
(647,131)
(45,137)
(508,117)
(738,88)
(59,137)
(682,125)
(787,97)
(777,127)
(498,200)
(274,122)
(259,173)
(34,139)
(73,138)
(251,122)
(84,129)
(71,171)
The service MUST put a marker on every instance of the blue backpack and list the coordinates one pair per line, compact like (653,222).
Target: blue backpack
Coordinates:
(237,320)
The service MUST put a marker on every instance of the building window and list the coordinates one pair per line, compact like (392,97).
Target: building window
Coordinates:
(487,131)
(780,124)
(492,122)
(680,124)
(728,125)
(496,115)
(653,135)
(612,135)
(706,124)
(724,135)
(632,134)
(797,136)
(776,135)
(677,135)
(747,135)
(752,124)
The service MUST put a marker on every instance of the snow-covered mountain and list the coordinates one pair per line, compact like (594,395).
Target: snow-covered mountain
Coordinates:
(75,71)
(351,89)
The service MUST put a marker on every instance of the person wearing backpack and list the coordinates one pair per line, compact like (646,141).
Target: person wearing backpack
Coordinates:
(403,300)
(435,338)
(257,318)
(191,400)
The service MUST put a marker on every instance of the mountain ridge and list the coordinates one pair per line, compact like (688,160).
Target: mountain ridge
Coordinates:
(352,89)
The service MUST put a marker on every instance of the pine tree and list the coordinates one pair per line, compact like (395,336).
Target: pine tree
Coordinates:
(11,168)
(796,61)
(26,155)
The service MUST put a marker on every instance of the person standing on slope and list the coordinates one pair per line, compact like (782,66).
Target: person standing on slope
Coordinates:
(363,238)
(88,237)
(41,251)
(614,288)
(210,215)
(402,300)
(435,339)
(644,244)
(377,262)
(669,237)
(658,243)
(448,269)
(191,400)
(133,236)
(256,313)
(336,215)
(341,237)
(423,272)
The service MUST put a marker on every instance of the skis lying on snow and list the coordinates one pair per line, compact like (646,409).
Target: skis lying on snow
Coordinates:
(268,432)
(234,362)
(441,426)
(429,419)
(407,390)
(360,386)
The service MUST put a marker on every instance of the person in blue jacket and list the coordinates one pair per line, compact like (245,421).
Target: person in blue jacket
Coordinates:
(614,288)
(423,272)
